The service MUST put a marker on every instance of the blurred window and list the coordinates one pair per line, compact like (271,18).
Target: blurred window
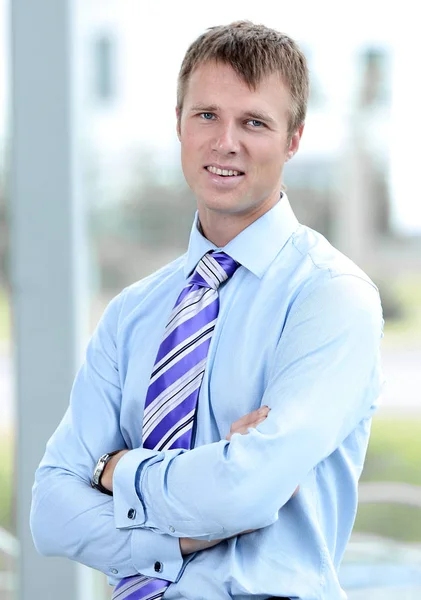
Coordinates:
(104,68)
(375,68)
(317,98)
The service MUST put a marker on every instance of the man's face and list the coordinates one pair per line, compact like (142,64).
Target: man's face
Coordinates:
(225,126)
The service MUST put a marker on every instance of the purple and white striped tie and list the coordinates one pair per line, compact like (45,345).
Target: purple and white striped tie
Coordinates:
(173,391)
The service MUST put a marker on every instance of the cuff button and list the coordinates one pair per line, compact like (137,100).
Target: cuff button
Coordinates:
(131,514)
(158,567)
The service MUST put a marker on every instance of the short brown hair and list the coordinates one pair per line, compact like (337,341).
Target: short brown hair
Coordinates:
(253,51)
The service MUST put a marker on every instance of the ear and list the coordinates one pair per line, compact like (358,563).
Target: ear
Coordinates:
(178,127)
(294,143)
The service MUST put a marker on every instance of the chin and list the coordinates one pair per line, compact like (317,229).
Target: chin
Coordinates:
(226,206)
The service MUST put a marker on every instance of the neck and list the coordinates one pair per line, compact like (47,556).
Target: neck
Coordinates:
(220,228)
(221,232)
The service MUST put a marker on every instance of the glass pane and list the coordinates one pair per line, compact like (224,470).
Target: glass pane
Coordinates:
(103,54)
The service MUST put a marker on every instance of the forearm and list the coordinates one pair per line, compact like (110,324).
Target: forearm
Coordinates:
(187,545)
(184,502)
(241,426)
(70,519)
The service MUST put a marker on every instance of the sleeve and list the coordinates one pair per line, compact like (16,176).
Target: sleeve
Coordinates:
(68,517)
(326,379)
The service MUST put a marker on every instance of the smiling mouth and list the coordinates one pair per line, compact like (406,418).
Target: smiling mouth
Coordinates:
(224,172)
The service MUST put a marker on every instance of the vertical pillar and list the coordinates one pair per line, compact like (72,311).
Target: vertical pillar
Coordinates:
(48,258)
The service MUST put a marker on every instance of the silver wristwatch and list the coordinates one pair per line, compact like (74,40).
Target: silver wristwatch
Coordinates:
(98,471)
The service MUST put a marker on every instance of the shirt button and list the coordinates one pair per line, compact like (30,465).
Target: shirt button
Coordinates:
(158,567)
(171,528)
(131,514)
(114,571)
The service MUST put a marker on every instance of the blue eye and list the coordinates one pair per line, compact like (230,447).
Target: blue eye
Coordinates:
(256,123)
(207,116)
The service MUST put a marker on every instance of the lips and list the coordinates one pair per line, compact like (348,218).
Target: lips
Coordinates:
(224,171)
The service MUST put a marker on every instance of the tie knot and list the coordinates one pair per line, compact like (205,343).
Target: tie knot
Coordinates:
(213,269)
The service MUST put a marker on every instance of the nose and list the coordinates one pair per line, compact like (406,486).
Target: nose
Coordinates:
(227,140)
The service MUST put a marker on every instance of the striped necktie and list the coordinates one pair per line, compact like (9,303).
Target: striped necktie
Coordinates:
(174,386)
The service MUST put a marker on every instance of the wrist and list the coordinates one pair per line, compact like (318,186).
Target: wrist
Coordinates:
(102,478)
(108,473)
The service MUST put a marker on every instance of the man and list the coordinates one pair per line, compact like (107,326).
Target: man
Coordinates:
(235,386)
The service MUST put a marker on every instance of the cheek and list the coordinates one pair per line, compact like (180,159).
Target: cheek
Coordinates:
(271,158)
(193,150)
(189,144)
(191,157)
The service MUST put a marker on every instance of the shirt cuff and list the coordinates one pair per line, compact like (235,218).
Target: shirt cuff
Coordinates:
(156,555)
(129,510)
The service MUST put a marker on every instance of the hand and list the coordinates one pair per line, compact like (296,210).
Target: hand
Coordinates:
(107,474)
(253,419)
(189,545)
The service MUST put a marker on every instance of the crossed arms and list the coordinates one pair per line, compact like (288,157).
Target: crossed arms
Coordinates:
(322,387)
(242,426)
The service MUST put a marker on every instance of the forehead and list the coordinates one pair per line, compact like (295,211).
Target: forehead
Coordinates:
(218,84)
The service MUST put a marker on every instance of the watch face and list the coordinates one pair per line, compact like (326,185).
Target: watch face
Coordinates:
(95,478)
(99,469)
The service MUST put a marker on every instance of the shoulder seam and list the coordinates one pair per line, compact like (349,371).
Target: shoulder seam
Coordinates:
(309,256)
(365,279)
(327,269)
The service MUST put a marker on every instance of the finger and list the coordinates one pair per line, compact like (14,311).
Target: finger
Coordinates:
(263,411)
(244,429)
(246,426)
(250,420)
(251,417)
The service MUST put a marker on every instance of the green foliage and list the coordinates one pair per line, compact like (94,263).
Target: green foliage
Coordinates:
(394,455)
(395,451)
(6,483)
(404,331)
(398,522)
(4,235)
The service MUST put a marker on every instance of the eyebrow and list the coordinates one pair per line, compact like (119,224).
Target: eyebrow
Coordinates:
(254,114)
(204,108)
(260,116)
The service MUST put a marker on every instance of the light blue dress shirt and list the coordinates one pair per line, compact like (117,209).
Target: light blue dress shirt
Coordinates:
(299,330)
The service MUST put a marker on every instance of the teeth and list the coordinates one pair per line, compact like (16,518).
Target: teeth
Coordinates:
(223,172)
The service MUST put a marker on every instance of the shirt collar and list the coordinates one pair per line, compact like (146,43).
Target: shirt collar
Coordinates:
(256,246)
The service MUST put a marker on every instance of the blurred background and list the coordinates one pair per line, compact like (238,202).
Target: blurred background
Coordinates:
(355,179)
